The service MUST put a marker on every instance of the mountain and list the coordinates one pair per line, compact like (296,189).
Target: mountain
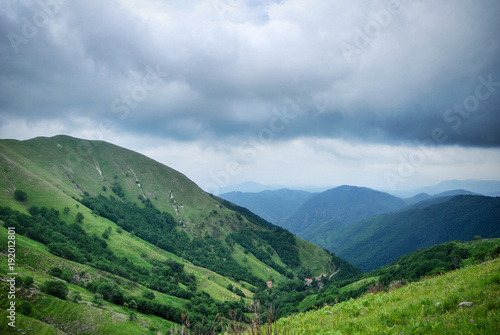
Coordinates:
(324,213)
(117,223)
(421,197)
(483,187)
(273,206)
(379,240)
(248,186)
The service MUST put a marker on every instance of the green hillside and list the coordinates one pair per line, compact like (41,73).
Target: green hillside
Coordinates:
(324,213)
(378,241)
(128,223)
(430,306)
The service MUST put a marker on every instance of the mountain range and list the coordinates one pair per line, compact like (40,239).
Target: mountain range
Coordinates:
(354,221)
(107,216)
(103,232)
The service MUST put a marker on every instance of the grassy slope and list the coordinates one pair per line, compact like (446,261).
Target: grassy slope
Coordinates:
(53,170)
(412,309)
(32,259)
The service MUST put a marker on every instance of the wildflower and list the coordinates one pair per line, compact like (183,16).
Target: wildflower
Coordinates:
(471,320)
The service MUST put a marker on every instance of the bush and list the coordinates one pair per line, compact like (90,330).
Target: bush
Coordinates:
(27,281)
(79,217)
(20,196)
(56,288)
(495,252)
(25,308)
(111,293)
(65,275)
(97,299)
(55,271)
(148,295)
(75,296)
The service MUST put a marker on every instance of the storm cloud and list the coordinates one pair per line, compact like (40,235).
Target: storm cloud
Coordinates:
(219,71)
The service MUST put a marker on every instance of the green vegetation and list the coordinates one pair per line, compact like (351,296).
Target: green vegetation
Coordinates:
(20,196)
(159,228)
(430,306)
(56,288)
(160,253)
(324,213)
(378,241)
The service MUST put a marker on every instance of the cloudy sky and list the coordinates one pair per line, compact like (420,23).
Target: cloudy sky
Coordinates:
(385,94)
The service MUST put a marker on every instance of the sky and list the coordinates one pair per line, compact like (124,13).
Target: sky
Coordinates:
(391,94)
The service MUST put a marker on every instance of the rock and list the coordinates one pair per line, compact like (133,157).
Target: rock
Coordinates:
(465,303)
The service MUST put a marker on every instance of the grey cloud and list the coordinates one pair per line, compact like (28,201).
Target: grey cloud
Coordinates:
(227,76)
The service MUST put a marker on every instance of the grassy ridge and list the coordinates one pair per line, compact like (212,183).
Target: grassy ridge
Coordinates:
(59,172)
(50,313)
(55,171)
(414,309)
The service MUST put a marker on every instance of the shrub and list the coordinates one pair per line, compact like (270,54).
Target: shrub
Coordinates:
(20,196)
(75,296)
(61,274)
(97,300)
(148,295)
(25,308)
(79,217)
(27,281)
(495,252)
(56,288)
(55,271)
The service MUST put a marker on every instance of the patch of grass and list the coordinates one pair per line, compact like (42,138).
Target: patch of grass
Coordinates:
(414,308)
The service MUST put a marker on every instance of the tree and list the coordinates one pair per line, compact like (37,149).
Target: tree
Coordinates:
(75,296)
(20,196)
(97,300)
(132,304)
(105,290)
(148,295)
(55,271)
(27,281)
(79,217)
(56,288)
(25,308)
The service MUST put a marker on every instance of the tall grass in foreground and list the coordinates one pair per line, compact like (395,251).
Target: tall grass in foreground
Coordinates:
(430,306)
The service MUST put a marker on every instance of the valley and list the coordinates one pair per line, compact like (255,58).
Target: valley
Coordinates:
(108,241)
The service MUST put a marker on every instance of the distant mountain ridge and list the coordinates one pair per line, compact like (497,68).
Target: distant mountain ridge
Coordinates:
(379,240)
(448,194)
(483,187)
(327,211)
(272,205)
(340,219)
